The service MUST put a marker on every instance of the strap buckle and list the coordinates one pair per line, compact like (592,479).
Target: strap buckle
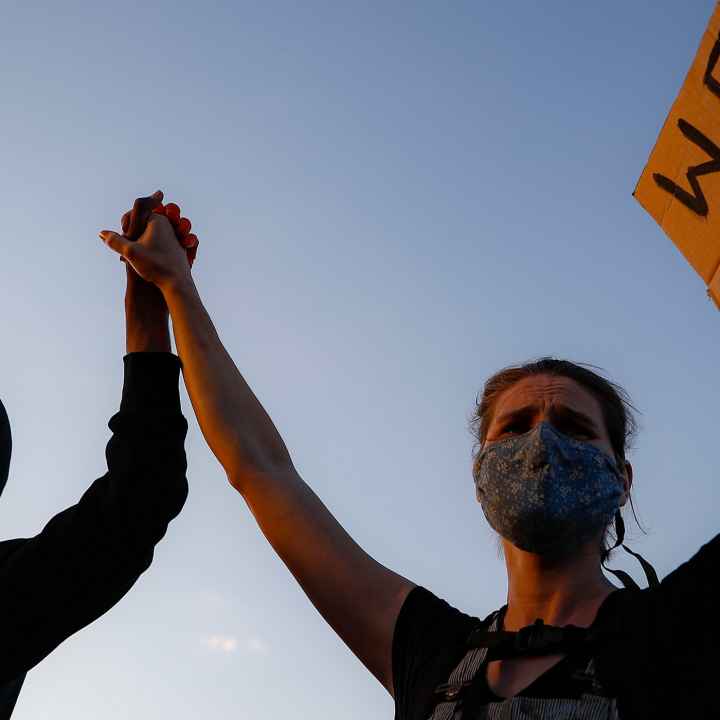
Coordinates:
(450,692)
(541,639)
(531,638)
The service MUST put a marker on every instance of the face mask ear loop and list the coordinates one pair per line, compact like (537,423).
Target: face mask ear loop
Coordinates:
(621,575)
(648,569)
(650,573)
(619,529)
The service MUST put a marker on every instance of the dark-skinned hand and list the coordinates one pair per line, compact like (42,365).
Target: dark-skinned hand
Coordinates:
(156,242)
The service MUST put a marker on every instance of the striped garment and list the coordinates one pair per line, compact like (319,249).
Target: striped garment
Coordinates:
(594,705)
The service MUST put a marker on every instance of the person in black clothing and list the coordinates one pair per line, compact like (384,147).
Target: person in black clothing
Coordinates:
(88,556)
(551,476)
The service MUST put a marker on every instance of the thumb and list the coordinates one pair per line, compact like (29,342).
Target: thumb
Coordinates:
(118,243)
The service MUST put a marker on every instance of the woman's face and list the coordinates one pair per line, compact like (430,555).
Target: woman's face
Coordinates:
(560,401)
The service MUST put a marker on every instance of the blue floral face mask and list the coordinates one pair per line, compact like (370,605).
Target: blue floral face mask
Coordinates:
(546,492)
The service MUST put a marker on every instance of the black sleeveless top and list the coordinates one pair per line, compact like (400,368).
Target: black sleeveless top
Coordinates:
(660,659)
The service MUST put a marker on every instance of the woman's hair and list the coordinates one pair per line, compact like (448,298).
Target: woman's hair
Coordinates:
(618,412)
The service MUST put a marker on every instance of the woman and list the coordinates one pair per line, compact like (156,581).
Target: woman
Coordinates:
(551,476)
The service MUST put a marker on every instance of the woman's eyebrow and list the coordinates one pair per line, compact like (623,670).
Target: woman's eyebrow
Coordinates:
(563,412)
(556,412)
(528,412)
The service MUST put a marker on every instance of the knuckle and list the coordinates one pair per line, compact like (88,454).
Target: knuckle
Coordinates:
(160,220)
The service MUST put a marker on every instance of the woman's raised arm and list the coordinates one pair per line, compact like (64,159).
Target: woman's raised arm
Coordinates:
(357,596)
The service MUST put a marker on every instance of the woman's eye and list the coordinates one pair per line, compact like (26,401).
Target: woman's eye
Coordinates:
(512,430)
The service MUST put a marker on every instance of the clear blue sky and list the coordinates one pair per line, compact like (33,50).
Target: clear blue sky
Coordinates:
(393,200)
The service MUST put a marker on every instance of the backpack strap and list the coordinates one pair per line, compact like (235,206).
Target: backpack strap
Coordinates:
(534,640)
(449,695)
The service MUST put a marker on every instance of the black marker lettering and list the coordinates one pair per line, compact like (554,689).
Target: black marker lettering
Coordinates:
(695,201)
(712,84)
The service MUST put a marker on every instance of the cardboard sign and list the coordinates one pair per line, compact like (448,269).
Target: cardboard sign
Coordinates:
(680,186)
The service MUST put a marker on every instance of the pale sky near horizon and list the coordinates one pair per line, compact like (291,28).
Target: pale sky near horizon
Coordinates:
(393,200)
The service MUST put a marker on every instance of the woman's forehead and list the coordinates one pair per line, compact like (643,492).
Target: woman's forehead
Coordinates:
(545,390)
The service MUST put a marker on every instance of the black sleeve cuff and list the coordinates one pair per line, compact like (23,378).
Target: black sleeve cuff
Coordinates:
(151,381)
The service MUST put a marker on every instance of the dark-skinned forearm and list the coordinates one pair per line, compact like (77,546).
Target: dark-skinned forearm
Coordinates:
(238,430)
(146,335)
(146,318)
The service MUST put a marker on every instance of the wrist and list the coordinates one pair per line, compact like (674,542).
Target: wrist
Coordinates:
(148,343)
(145,334)
(146,316)
(178,288)
(146,321)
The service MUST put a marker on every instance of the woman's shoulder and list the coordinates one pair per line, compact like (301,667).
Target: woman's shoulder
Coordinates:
(429,640)
(425,613)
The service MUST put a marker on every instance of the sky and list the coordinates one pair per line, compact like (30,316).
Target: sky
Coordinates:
(394,200)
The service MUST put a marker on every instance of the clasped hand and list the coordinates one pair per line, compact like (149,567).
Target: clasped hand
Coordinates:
(158,251)
(156,242)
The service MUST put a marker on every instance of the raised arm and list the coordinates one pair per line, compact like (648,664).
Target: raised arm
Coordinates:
(88,556)
(359,597)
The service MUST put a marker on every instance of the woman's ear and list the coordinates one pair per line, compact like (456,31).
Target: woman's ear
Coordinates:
(627,481)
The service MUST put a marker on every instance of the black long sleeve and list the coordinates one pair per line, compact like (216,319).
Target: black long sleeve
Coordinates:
(88,556)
